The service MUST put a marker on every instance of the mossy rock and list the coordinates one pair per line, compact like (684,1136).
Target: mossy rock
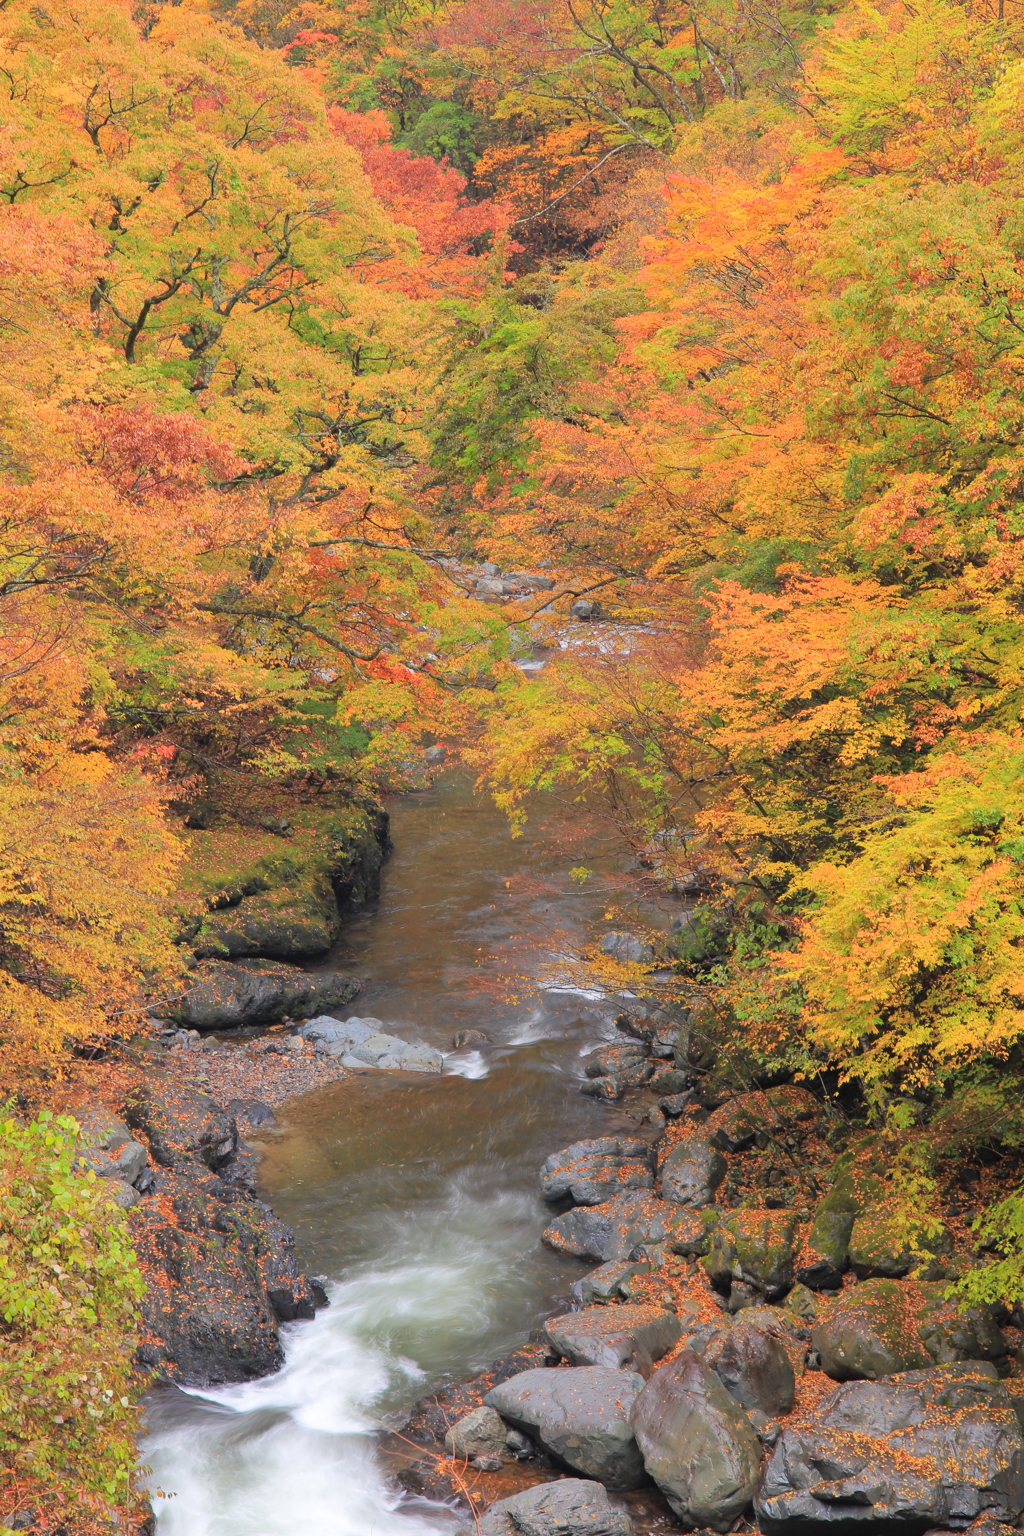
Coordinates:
(754,1248)
(883,1248)
(883,1327)
(284,906)
(827,1249)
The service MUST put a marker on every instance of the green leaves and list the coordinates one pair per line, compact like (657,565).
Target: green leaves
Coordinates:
(69,1285)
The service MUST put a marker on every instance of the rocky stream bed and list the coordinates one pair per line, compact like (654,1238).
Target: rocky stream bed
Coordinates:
(726,1330)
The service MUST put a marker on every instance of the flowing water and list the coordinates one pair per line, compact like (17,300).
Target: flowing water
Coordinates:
(417,1196)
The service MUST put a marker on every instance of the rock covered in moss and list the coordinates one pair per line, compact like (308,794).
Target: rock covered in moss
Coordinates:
(826,1251)
(768,1112)
(753,1248)
(880,1247)
(883,1327)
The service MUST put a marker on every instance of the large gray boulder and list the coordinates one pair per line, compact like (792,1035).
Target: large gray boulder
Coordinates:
(611,1230)
(697,1443)
(625,1338)
(692,1172)
(580,1416)
(752,1364)
(931,1448)
(566,1508)
(597,1170)
(226,994)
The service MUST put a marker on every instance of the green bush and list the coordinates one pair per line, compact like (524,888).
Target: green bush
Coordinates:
(69,1289)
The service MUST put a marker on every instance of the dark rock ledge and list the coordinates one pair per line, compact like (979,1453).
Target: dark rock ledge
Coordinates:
(220,1268)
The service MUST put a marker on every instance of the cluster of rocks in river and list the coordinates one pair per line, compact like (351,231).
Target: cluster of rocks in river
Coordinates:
(800,1367)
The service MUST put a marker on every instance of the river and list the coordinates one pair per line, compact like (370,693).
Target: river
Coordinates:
(416,1196)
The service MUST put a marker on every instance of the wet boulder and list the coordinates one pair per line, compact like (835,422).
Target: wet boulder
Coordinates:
(755,1249)
(752,1364)
(627,1062)
(769,1112)
(928,1448)
(364,1042)
(881,1328)
(480,1433)
(226,995)
(388,1053)
(182,1125)
(569,1507)
(692,1172)
(625,1338)
(611,1230)
(106,1146)
(658,1030)
(697,1443)
(221,1276)
(597,1170)
(580,1416)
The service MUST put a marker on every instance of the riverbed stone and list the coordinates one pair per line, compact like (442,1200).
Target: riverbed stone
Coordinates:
(611,1230)
(697,1443)
(753,1248)
(596,1170)
(752,1364)
(226,995)
(570,1507)
(692,1172)
(929,1448)
(479,1433)
(580,1415)
(626,947)
(882,1328)
(608,1281)
(626,1338)
(388,1053)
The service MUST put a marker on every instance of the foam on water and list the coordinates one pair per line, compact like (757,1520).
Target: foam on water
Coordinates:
(294,1454)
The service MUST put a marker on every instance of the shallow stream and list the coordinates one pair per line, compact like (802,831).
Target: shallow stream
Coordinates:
(416,1196)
